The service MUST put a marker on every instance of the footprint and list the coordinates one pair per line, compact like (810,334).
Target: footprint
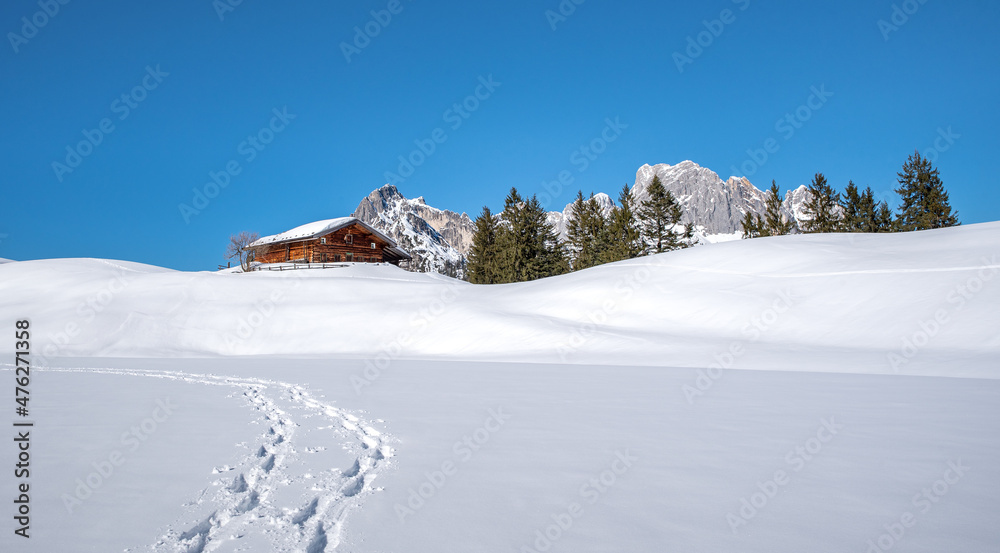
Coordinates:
(318,544)
(354,487)
(239,484)
(354,470)
(249,503)
(306,512)
(268,465)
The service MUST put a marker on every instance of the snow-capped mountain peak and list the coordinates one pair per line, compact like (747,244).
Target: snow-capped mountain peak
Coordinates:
(437,239)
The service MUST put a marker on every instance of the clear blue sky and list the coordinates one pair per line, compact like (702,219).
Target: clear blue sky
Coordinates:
(352,120)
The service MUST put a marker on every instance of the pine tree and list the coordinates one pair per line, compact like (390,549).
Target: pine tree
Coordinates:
(924,200)
(823,207)
(862,213)
(884,220)
(659,217)
(588,233)
(545,254)
(624,236)
(752,224)
(859,210)
(483,264)
(578,241)
(774,223)
(527,245)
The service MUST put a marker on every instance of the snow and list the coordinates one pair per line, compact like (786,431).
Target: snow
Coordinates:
(308,230)
(838,384)
(388,210)
(849,300)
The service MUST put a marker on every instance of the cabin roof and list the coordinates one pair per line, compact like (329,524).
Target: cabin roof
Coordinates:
(316,229)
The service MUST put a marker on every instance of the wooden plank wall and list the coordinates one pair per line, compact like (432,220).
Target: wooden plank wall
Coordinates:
(336,248)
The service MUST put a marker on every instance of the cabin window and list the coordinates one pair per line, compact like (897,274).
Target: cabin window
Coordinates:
(349,238)
(350,256)
(322,240)
(336,257)
(373,245)
(322,256)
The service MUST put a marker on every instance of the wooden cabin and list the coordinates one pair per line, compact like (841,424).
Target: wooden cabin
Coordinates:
(347,239)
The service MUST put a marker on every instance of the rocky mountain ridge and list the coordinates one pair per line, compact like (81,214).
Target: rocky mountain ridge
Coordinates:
(440,239)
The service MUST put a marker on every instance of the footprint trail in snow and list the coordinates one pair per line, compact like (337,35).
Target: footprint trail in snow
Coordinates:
(245,501)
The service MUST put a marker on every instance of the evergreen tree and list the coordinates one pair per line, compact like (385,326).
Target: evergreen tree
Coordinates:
(578,242)
(774,223)
(924,200)
(859,209)
(588,233)
(528,247)
(483,264)
(624,235)
(862,213)
(823,207)
(884,220)
(752,225)
(659,217)
(546,255)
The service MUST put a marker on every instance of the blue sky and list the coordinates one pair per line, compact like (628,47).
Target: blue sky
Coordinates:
(198,84)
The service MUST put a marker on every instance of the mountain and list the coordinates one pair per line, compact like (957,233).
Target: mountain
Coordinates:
(715,205)
(559,219)
(437,239)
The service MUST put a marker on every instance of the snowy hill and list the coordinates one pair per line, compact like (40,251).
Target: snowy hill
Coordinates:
(437,239)
(777,395)
(670,309)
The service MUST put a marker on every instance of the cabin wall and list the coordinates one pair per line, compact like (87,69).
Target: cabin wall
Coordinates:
(336,248)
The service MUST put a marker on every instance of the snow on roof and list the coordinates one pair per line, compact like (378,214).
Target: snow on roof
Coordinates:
(319,228)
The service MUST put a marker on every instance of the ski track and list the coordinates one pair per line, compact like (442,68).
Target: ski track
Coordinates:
(242,505)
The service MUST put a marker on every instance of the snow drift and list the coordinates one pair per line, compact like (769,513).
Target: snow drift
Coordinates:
(916,303)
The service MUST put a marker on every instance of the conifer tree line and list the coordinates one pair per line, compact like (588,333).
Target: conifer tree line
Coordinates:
(519,244)
(924,205)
